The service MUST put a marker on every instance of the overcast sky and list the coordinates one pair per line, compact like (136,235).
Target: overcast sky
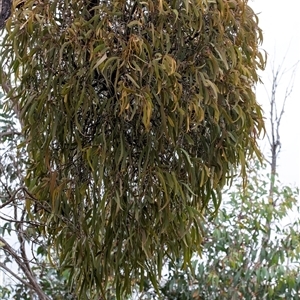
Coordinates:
(280,22)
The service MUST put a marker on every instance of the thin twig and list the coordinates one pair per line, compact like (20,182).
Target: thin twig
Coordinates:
(4,267)
(9,133)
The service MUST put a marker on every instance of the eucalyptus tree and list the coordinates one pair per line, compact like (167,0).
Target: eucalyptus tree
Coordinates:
(134,115)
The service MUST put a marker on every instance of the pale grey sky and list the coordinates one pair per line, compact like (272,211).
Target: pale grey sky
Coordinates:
(280,22)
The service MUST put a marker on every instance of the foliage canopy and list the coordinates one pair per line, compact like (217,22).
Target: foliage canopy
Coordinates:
(134,114)
(237,262)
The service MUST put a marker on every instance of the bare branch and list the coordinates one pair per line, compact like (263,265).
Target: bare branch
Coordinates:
(25,268)
(275,113)
(4,267)
(16,221)
(11,197)
(9,133)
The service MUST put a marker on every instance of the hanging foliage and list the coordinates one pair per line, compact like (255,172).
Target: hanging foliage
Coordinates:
(135,114)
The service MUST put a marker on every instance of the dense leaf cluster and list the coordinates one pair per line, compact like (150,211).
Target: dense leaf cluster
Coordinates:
(236,262)
(135,114)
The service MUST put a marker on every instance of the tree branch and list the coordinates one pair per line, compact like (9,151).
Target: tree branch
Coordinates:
(9,133)
(4,267)
(24,267)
